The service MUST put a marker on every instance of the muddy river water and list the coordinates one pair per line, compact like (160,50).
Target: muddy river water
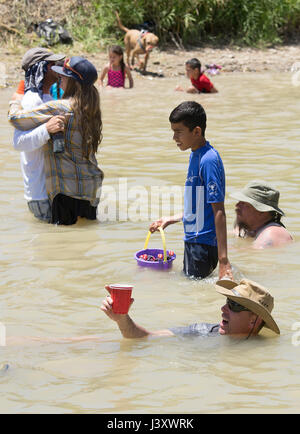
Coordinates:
(53,277)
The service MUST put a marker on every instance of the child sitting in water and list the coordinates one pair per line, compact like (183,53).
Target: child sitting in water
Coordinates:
(200,83)
(116,69)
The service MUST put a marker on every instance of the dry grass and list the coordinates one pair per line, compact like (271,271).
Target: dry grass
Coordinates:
(18,17)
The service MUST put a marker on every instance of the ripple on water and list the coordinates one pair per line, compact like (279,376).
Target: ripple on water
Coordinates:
(52,280)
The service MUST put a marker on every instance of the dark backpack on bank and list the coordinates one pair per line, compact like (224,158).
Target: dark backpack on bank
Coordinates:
(53,32)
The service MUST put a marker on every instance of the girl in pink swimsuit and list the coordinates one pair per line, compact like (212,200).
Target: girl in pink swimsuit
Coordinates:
(116,70)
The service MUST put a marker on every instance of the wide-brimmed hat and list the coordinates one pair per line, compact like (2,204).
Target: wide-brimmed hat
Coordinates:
(78,68)
(252,296)
(260,195)
(37,54)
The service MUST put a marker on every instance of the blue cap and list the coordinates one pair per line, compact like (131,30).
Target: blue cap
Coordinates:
(78,68)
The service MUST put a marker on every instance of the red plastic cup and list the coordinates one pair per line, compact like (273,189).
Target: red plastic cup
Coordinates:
(121,296)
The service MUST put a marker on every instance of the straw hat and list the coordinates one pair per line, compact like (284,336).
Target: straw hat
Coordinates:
(252,296)
(260,195)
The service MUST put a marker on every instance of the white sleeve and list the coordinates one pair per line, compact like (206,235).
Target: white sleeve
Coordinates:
(30,140)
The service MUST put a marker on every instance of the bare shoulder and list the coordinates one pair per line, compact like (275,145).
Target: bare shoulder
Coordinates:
(272,236)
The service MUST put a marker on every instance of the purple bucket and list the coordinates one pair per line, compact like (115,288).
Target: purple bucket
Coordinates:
(156,265)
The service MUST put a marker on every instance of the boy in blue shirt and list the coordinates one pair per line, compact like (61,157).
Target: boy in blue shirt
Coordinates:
(204,219)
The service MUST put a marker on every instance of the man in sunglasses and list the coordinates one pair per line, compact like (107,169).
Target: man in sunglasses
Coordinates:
(247,310)
(39,77)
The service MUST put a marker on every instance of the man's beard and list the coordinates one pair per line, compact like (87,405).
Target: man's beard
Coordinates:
(244,230)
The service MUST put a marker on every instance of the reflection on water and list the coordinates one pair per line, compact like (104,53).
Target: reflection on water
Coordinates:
(53,277)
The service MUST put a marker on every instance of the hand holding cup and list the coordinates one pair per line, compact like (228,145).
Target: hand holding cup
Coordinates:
(119,301)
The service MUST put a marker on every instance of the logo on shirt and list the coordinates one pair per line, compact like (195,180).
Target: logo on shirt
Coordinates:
(190,179)
(212,189)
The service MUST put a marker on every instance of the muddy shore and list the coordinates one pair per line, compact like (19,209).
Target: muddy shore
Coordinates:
(170,62)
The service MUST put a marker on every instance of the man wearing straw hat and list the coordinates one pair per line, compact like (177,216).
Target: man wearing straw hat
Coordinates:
(258,215)
(247,310)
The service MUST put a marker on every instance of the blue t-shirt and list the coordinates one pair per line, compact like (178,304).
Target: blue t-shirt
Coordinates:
(205,184)
(53,92)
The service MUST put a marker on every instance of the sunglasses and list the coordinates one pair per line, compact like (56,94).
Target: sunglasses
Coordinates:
(67,66)
(234,306)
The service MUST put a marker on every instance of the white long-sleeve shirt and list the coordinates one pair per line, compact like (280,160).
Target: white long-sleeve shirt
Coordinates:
(30,144)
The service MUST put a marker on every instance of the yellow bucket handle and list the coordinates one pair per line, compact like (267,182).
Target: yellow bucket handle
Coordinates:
(163,241)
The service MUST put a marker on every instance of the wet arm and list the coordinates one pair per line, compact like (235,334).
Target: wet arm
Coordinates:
(221,233)
(214,90)
(102,76)
(163,222)
(127,326)
(192,89)
(130,329)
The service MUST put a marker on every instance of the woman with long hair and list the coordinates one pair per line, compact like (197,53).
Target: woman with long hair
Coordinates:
(73,178)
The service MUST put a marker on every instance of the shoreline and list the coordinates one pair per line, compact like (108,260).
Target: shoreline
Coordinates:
(170,62)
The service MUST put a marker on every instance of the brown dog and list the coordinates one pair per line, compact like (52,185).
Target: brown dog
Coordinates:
(137,43)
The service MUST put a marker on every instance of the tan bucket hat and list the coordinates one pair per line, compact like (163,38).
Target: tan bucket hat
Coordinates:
(252,296)
(260,195)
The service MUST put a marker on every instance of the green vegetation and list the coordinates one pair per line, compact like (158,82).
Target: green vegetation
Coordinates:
(243,22)
(183,22)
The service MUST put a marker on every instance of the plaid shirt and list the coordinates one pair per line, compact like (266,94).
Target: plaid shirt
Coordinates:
(70,172)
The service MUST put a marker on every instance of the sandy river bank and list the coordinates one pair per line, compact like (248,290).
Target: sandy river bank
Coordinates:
(170,63)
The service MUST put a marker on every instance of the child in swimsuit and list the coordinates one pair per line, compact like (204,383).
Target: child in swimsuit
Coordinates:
(116,70)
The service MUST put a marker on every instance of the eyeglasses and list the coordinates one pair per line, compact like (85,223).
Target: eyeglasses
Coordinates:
(234,306)
(67,66)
